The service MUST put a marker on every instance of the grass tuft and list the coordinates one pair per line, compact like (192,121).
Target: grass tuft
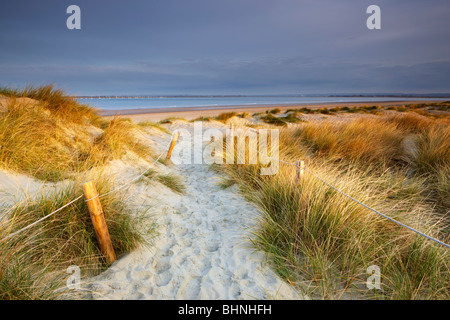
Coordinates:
(33,263)
(271,119)
(171,181)
(31,131)
(59,103)
(171,120)
(223,117)
(323,242)
(149,124)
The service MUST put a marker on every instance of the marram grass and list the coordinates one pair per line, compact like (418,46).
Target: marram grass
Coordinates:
(48,135)
(33,263)
(323,242)
(53,142)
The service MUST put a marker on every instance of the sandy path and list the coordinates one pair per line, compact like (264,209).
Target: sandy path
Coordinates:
(202,250)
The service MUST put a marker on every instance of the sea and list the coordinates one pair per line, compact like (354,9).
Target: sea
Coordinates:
(213,102)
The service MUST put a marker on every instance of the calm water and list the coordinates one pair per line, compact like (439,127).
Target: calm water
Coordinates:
(176,102)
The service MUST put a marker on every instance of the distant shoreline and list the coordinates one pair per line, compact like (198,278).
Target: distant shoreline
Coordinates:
(405,96)
(189,113)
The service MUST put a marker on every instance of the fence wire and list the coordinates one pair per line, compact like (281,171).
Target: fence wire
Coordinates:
(79,197)
(281,161)
(350,197)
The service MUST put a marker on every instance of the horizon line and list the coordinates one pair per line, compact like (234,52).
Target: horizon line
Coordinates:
(413,95)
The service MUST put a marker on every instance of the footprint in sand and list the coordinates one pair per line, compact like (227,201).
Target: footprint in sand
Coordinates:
(141,275)
(163,279)
(190,290)
(162,265)
(212,246)
(168,253)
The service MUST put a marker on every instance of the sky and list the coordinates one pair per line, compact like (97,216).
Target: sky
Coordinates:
(227,46)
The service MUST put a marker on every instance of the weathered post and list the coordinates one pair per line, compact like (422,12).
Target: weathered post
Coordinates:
(172,145)
(98,220)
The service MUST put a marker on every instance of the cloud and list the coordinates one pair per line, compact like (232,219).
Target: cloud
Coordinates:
(273,75)
(251,46)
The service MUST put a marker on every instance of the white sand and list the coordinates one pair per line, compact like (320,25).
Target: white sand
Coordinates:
(202,250)
(15,188)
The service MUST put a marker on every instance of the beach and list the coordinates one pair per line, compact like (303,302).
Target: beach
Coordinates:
(197,230)
(190,113)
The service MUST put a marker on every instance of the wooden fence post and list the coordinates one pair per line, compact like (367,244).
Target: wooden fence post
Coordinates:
(98,220)
(172,144)
(300,165)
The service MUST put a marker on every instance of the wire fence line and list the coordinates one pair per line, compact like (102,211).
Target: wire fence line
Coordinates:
(350,197)
(79,197)
(42,219)
(281,161)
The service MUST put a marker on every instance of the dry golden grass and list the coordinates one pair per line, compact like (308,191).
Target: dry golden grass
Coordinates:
(426,109)
(406,141)
(223,117)
(117,138)
(29,135)
(33,263)
(433,148)
(59,103)
(171,120)
(366,140)
(50,136)
(150,124)
(322,241)
(433,161)
(410,121)
(53,144)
